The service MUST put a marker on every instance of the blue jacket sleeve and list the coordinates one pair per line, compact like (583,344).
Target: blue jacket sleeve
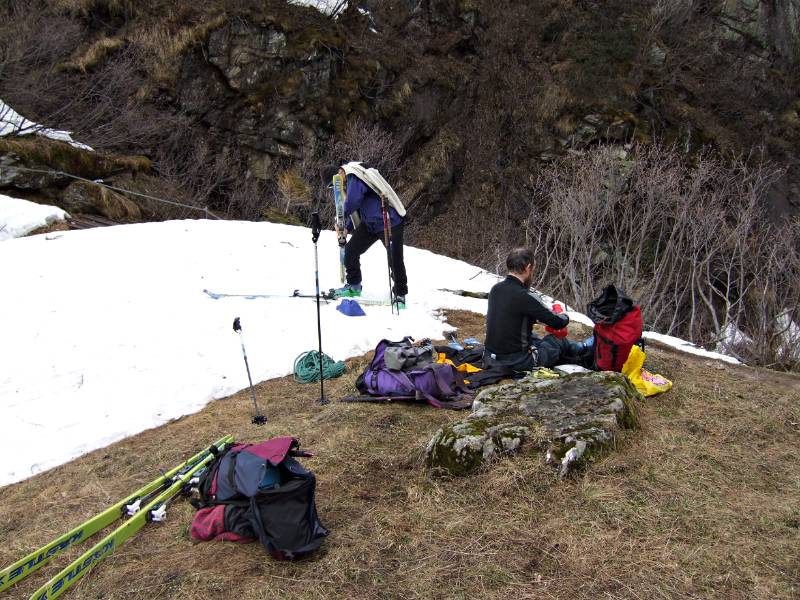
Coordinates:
(355,195)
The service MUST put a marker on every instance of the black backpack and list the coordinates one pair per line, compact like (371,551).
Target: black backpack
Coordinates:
(260,491)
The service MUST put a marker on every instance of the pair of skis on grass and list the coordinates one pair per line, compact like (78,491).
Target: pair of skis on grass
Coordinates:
(146,504)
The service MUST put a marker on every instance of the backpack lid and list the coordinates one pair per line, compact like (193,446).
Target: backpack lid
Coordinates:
(610,306)
(273,451)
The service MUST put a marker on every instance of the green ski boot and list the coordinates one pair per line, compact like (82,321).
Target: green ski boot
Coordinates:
(347,291)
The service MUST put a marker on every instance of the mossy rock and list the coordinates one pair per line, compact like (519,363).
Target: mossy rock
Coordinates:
(83,197)
(570,417)
(37,152)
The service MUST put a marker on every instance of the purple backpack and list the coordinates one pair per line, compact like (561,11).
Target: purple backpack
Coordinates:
(441,385)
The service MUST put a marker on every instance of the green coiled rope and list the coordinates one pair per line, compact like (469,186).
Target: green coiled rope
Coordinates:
(306,367)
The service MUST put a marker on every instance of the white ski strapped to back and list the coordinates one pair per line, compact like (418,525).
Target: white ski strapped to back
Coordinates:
(377,183)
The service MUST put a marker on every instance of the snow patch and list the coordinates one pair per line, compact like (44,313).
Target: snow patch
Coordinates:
(20,217)
(688,347)
(326,7)
(12,123)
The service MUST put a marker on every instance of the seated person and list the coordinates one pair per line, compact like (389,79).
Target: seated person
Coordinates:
(513,311)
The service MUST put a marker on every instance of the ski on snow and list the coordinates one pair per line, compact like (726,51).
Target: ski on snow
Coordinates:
(296,294)
(153,495)
(327,296)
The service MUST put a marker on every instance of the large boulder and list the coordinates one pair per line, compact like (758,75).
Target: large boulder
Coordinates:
(248,55)
(570,418)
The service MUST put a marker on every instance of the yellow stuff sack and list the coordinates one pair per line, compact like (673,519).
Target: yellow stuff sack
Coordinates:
(464,367)
(649,384)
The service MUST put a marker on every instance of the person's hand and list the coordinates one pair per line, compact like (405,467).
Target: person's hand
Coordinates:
(562,333)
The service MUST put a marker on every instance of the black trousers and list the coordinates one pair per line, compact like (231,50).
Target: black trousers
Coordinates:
(360,242)
(547,352)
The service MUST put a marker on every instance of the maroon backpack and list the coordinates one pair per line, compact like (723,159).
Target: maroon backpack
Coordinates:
(260,492)
(618,326)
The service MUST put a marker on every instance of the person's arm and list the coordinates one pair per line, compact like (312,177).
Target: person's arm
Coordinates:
(542,314)
(354,196)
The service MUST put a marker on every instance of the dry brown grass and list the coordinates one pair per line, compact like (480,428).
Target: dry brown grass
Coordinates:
(94,54)
(166,46)
(702,502)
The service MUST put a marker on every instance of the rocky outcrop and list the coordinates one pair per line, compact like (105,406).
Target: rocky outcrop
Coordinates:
(570,418)
(38,166)
(274,85)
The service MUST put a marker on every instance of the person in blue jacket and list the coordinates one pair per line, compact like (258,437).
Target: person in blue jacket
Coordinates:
(364,220)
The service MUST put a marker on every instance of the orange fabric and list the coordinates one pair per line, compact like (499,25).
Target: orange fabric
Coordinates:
(464,367)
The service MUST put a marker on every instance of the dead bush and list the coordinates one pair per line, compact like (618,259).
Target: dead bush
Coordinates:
(691,243)
(368,143)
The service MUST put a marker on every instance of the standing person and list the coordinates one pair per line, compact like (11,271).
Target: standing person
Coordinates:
(510,318)
(367,193)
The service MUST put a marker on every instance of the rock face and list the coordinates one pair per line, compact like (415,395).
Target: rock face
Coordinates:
(570,418)
(267,84)
(774,24)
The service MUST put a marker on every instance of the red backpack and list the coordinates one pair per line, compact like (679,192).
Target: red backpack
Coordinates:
(618,326)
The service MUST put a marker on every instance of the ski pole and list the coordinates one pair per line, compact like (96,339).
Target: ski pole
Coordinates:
(258,419)
(315,230)
(387,240)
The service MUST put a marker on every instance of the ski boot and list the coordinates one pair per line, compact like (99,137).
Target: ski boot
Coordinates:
(351,290)
(400,301)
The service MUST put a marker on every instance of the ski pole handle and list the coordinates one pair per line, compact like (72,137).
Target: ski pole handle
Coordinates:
(315,227)
(237,326)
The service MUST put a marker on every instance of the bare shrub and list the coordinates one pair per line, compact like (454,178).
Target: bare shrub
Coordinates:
(691,243)
(770,321)
(32,41)
(368,143)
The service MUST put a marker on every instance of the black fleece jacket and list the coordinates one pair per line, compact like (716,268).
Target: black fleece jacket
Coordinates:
(512,313)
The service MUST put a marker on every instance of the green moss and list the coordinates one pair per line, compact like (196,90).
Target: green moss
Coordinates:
(444,455)
(38,151)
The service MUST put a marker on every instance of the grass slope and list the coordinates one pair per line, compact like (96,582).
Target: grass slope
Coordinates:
(702,502)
